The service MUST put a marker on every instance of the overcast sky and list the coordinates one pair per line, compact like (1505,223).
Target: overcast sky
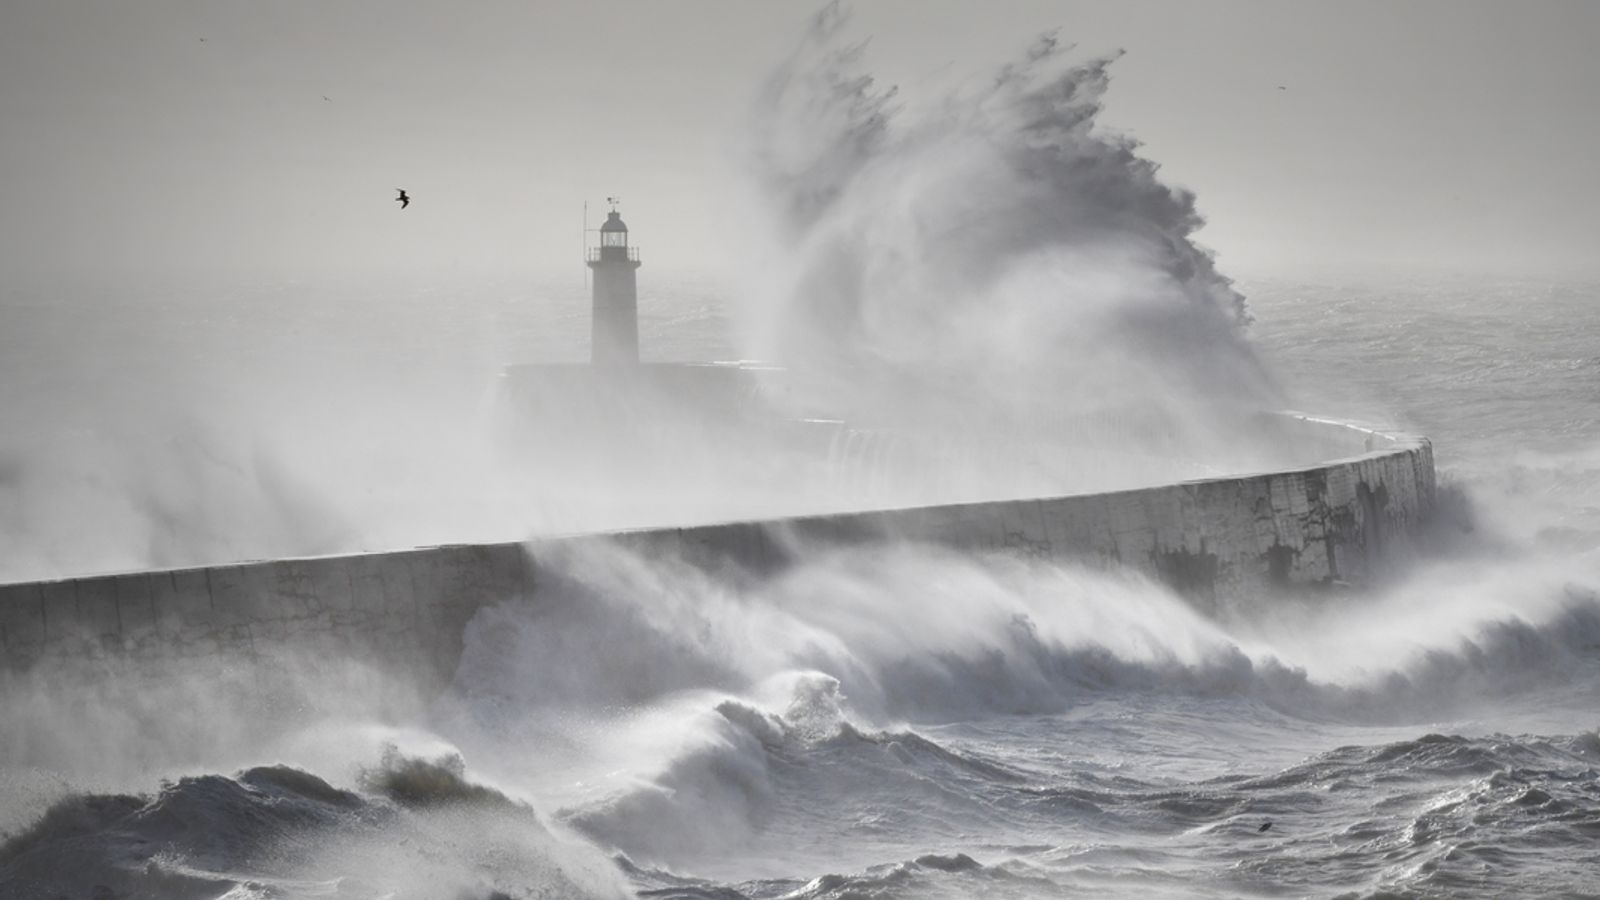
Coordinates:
(251,137)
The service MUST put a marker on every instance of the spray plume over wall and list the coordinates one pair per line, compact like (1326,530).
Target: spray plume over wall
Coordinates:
(994,249)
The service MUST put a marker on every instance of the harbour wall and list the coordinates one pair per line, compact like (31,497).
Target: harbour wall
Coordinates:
(1217,541)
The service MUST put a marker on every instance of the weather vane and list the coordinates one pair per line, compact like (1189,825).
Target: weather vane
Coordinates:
(613,201)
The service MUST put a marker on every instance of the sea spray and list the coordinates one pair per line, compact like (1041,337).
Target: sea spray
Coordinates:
(752,703)
(994,258)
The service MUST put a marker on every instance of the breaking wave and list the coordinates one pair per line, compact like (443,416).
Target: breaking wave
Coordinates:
(420,829)
(748,711)
(917,633)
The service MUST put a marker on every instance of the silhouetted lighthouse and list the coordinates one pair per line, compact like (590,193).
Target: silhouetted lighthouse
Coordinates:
(616,295)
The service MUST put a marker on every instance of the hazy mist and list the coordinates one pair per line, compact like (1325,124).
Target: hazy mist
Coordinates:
(954,251)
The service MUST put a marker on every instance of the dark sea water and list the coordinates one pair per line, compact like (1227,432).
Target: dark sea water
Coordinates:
(879,723)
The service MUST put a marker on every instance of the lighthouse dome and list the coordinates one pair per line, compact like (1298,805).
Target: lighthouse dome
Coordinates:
(613,222)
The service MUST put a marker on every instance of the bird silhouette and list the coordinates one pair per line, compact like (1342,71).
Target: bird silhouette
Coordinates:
(1265,825)
(403,199)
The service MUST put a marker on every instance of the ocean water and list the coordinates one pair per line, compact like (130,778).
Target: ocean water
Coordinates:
(878,722)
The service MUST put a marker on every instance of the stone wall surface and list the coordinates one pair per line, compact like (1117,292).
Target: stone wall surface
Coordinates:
(1215,541)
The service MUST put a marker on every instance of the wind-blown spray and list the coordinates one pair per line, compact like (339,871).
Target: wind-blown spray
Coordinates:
(994,256)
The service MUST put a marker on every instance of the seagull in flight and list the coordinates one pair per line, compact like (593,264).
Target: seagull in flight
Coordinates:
(403,200)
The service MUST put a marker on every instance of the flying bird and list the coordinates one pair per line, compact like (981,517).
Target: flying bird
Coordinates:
(403,199)
(1264,826)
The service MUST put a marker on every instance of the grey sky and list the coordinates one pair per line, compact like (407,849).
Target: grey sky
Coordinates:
(162,135)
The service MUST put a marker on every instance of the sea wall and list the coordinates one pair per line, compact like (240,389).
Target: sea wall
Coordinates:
(1217,541)
(1345,522)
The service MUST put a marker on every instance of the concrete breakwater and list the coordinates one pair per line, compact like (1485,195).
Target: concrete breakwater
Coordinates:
(1346,520)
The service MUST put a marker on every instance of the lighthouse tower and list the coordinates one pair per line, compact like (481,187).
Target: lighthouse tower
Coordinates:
(615,336)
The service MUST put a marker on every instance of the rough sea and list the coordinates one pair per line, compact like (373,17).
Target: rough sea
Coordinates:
(879,723)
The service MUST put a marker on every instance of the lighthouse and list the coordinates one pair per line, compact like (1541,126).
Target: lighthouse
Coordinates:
(615,335)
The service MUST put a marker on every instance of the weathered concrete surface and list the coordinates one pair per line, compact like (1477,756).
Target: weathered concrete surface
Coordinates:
(1342,521)
(407,608)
